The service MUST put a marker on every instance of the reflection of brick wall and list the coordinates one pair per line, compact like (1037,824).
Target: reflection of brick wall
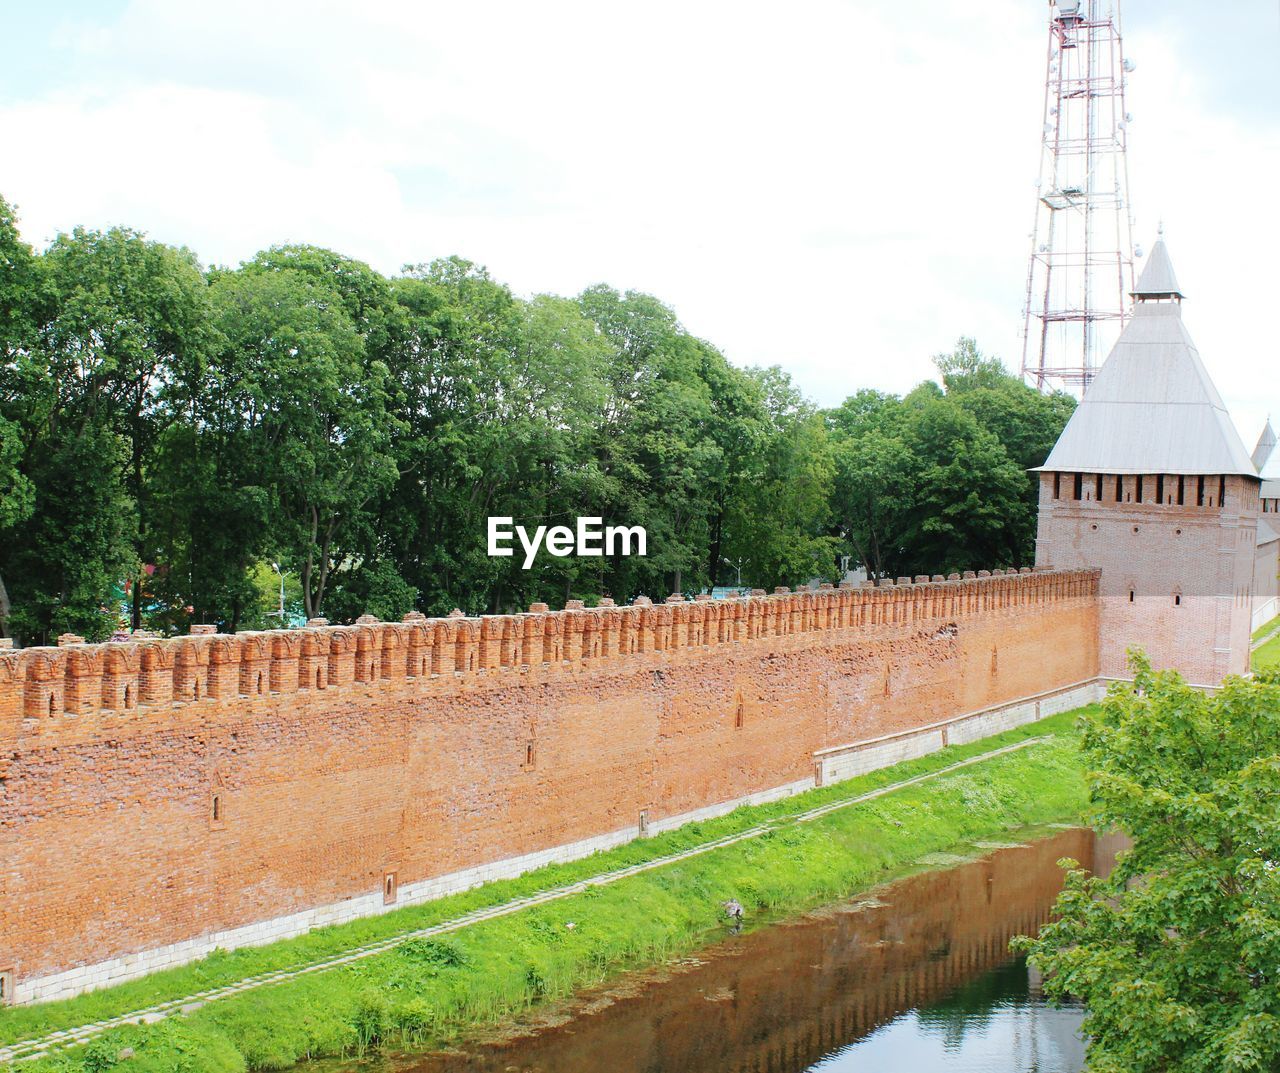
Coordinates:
(1177,561)
(155,792)
(784,998)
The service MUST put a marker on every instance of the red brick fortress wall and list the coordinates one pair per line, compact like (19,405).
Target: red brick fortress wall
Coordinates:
(155,792)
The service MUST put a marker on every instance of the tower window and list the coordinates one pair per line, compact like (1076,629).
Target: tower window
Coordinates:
(1057,486)
(1138,482)
(1160,488)
(1222,490)
(1199,491)
(529,755)
(1182,491)
(1177,599)
(1078,493)
(1097,493)
(1130,596)
(1119,489)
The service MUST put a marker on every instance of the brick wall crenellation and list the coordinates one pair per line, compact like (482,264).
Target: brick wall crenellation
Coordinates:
(74,678)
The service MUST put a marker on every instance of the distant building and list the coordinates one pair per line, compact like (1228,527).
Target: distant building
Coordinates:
(1266,594)
(1151,483)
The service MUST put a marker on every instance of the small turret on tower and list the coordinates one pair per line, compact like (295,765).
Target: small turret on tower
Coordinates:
(1157,281)
(1151,483)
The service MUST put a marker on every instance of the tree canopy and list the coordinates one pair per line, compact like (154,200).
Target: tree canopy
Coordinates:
(1177,952)
(938,480)
(175,439)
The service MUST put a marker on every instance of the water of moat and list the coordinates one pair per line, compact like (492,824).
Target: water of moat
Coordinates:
(917,979)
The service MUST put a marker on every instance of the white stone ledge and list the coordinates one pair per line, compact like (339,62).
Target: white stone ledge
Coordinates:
(842,762)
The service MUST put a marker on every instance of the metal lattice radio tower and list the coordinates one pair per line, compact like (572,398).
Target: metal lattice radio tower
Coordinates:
(1081,269)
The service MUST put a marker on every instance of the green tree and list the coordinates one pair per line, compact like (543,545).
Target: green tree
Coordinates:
(939,480)
(963,489)
(486,389)
(871,489)
(128,313)
(310,408)
(777,514)
(1177,952)
(16,501)
(1026,422)
(20,287)
(967,369)
(90,340)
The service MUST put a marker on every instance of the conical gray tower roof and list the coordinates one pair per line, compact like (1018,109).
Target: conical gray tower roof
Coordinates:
(1152,407)
(1269,469)
(1266,445)
(1157,279)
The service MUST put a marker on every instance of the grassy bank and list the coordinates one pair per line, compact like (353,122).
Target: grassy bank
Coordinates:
(1267,655)
(429,990)
(1266,628)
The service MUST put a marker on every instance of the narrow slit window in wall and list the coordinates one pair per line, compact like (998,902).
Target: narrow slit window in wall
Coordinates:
(1138,496)
(217,809)
(1182,491)
(1177,599)
(1160,488)
(1057,486)
(389,888)
(1097,492)
(528,754)
(1199,491)
(1078,491)
(1130,596)
(1119,489)
(6,986)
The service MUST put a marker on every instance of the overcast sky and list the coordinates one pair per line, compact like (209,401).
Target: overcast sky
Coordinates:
(841,188)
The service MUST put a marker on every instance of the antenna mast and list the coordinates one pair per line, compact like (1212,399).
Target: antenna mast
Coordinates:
(1081,268)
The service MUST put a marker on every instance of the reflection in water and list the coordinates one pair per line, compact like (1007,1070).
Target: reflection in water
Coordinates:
(997,1024)
(919,980)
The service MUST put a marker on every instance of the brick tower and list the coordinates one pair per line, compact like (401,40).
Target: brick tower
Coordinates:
(1150,483)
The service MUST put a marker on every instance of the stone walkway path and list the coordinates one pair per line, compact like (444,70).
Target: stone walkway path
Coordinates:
(34,1048)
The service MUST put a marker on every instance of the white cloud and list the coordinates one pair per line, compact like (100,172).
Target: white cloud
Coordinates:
(843,188)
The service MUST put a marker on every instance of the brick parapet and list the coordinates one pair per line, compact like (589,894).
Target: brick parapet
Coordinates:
(39,686)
